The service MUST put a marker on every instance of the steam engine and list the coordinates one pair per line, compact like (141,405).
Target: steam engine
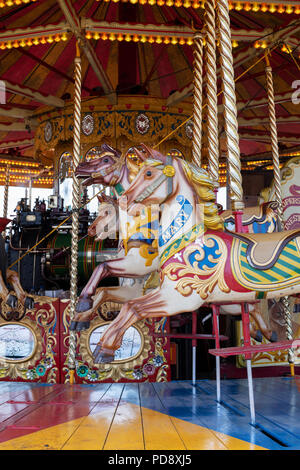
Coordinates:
(45,270)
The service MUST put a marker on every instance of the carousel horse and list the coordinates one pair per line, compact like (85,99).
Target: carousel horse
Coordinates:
(137,250)
(140,258)
(9,278)
(199,262)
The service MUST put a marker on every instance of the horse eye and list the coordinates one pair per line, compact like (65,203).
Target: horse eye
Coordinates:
(148,173)
(105,160)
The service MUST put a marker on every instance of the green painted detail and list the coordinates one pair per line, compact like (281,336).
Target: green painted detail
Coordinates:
(119,189)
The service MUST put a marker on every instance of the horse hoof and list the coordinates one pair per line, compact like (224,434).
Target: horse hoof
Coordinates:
(29,303)
(100,357)
(82,325)
(258,336)
(73,326)
(79,325)
(83,305)
(12,301)
(274,337)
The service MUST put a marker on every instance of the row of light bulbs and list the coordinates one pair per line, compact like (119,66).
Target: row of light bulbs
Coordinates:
(10,3)
(33,41)
(15,162)
(264,45)
(143,38)
(246,6)
(104,36)
(238,6)
(26,179)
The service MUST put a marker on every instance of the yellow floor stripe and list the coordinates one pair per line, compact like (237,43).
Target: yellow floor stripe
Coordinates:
(126,433)
(157,425)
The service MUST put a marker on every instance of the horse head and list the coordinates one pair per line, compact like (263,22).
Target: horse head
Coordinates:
(104,169)
(148,187)
(157,183)
(105,223)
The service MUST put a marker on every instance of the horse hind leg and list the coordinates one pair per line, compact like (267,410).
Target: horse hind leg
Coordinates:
(120,294)
(150,305)
(263,329)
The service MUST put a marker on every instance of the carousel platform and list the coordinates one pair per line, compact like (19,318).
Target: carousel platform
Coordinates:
(150,416)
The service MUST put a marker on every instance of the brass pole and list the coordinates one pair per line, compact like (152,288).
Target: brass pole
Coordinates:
(278,195)
(230,109)
(197,114)
(75,211)
(6,189)
(274,140)
(212,101)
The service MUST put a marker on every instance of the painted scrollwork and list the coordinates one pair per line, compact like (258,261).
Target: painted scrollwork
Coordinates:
(200,270)
(40,365)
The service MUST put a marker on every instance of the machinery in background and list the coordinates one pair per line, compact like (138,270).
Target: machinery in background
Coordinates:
(45,269)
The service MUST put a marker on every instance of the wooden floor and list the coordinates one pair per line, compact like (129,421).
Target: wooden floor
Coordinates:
(159,416)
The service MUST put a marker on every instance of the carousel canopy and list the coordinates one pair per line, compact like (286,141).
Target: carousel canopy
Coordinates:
(139,50)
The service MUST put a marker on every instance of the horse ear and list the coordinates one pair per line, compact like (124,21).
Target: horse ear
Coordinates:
(155,154)
(108,148)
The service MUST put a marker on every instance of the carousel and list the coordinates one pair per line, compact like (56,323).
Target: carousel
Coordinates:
(150,248)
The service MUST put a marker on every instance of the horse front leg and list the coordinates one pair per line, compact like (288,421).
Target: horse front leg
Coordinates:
(131,266)
(119,294)
(13,279)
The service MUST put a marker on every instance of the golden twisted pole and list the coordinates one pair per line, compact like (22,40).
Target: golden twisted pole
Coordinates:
(212,100)
(274,140)
(278,195)
(6,189)
(197,113)
(230,109)
(75,211)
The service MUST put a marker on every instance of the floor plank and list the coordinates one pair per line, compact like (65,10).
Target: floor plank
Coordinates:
(126,431)
(157,423)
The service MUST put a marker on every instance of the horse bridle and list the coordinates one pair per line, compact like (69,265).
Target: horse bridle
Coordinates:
(167,175)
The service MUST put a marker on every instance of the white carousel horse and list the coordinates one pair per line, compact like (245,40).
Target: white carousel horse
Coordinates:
(199,262)
(137,250)
(139,258)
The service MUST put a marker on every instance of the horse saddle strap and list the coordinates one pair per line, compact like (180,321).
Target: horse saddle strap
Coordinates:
(263,250)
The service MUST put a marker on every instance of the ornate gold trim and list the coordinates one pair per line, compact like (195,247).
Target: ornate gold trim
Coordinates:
(117,369)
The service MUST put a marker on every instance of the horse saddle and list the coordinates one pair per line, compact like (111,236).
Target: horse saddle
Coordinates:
(263,250)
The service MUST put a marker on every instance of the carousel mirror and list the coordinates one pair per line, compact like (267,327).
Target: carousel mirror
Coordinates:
(131,344)
(17,342)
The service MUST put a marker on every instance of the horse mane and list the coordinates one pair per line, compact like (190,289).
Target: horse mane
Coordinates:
(204,189)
